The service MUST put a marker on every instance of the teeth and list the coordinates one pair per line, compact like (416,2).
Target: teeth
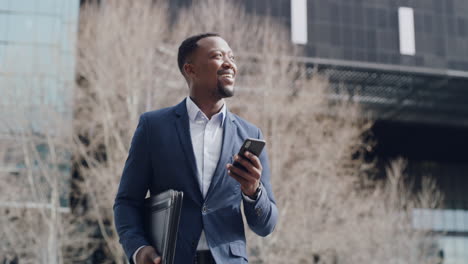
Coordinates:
(227,75)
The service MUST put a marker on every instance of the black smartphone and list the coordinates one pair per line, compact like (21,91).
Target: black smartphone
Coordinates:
(254,146)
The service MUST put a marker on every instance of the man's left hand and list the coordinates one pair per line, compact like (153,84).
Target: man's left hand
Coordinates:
(249,179)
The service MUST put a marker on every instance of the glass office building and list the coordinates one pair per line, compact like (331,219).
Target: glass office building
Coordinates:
(409,61)
(37,64)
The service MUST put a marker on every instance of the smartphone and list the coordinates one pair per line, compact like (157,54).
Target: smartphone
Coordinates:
(254,146)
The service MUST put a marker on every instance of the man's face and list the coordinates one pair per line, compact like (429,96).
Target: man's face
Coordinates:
(213,67)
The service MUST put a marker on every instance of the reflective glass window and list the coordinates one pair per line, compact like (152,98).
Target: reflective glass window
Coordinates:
(74,12)
(50,6)
(71,10)
(50,90)
(18,59)
(2,57)
(13,90)
(4,4)
(67,37)
(42,82)
(68,66)
(21,28)
(47,29)
(3,92)
(47,60)
(24,5)
(3,25)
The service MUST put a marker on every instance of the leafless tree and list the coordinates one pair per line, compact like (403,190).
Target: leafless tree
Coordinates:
(35,164)
(35,158)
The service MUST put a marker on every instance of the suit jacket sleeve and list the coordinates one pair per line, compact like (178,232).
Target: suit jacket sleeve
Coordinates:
(262,215)
(128,206)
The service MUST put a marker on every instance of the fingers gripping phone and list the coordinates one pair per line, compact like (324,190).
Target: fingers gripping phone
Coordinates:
(254,146)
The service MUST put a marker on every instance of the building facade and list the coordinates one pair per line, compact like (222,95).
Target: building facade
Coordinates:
(37,68)
(408,60)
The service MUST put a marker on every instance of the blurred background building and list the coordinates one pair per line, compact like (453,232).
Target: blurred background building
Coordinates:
(406,61)
(37,68)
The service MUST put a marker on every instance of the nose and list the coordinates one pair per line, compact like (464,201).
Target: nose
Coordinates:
(229,64)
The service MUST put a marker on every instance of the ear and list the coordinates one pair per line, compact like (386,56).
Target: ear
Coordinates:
(189,70)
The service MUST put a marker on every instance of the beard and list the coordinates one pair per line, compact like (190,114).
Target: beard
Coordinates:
(225,92)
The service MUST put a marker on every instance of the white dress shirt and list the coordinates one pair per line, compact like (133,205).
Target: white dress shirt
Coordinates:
(207,140)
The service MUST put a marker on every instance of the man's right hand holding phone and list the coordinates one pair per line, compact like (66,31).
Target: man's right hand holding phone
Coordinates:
(249,178)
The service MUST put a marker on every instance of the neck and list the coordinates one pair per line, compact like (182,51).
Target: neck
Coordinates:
(208,106)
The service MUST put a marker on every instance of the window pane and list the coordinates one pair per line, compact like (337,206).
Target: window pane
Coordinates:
(67,37)
(67,97)
(18,59)
(47,59)
(3,25)
(50,91)
(47,29)
(13,90)
(67,66)
(23,5)
(42,83)
(50,6)
(21,28)
(3,94)
(65,11)
(74,10)
(2,57)
(4,4)
(70,11)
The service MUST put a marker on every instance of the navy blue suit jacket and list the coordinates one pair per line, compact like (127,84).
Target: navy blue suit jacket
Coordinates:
(161,157)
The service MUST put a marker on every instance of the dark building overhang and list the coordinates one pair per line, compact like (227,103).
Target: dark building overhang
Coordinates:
(399,93)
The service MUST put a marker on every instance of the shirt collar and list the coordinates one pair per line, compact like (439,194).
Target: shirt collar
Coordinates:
(194,111)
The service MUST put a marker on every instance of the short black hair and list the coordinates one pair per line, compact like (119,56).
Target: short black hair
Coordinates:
(188,46)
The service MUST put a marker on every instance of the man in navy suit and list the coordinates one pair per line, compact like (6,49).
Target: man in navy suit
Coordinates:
(190,147)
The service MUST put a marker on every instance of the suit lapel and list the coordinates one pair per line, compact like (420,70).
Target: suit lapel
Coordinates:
(230,129)
(183,130)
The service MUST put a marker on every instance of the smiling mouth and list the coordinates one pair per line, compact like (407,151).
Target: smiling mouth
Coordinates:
(228,75)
